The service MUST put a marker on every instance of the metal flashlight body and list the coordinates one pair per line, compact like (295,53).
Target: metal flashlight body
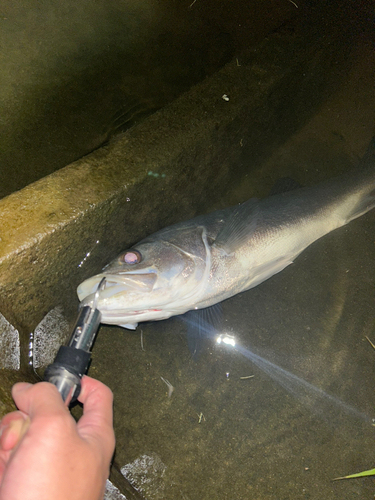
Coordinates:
(72,360)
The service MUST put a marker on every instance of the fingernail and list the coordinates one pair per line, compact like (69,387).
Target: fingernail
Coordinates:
(21,386)
(15,431)
(3,428)
(19,426)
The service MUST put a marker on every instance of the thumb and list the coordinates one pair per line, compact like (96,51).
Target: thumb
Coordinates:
(96,423)
(39,399)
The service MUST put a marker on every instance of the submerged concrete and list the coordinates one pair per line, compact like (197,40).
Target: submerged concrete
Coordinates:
(73,74)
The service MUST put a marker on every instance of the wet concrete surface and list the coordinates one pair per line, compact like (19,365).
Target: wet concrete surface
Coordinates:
(220,434)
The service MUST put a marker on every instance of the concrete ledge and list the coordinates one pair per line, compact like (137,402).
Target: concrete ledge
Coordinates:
(198,145)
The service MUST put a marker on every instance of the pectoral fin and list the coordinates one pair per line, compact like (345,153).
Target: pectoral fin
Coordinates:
(203,326)
(238,228)
(363,206)
(130,327)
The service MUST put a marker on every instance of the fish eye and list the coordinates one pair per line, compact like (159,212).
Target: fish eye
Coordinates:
(132,257)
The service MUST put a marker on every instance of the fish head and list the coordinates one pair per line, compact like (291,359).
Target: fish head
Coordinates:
(153,280)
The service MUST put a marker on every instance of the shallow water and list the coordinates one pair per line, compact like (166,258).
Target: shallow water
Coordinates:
(304,417)
(290,406)
(224,435)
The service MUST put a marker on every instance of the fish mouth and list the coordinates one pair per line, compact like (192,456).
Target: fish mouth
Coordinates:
(89,293)
(116,283)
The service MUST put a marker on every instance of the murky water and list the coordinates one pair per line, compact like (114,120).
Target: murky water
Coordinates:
(289,407)
(278,415)
(73,75)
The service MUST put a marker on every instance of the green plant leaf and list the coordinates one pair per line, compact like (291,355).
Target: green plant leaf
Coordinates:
(365,473)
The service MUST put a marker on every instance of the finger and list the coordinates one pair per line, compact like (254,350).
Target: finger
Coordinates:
(97,420)
(97,399)
(3,462)
(40,399)
(14,432)
(6,425)
(14,415)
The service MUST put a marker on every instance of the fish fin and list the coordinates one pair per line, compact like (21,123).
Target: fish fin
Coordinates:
(129,327)
(240,225)
(368,202)
(203,325)
(364,205)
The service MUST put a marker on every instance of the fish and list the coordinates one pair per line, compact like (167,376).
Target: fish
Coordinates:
(195,264)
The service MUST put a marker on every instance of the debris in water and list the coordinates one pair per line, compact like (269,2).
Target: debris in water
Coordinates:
(169,385)
(201,417)
(372,345)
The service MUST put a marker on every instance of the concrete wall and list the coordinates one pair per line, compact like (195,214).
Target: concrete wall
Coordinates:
(73,74)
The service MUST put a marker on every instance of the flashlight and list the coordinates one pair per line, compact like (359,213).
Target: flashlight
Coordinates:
(72,360)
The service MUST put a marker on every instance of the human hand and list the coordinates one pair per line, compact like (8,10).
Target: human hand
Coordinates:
(45,453)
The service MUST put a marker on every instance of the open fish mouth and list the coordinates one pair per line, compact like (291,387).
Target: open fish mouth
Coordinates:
(116,283)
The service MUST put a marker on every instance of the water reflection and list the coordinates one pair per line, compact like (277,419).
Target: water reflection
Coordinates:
(316,399)
(88,254)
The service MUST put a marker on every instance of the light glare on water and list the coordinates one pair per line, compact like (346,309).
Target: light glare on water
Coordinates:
(319,401)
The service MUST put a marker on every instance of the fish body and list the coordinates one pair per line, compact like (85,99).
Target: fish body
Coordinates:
(203,261)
